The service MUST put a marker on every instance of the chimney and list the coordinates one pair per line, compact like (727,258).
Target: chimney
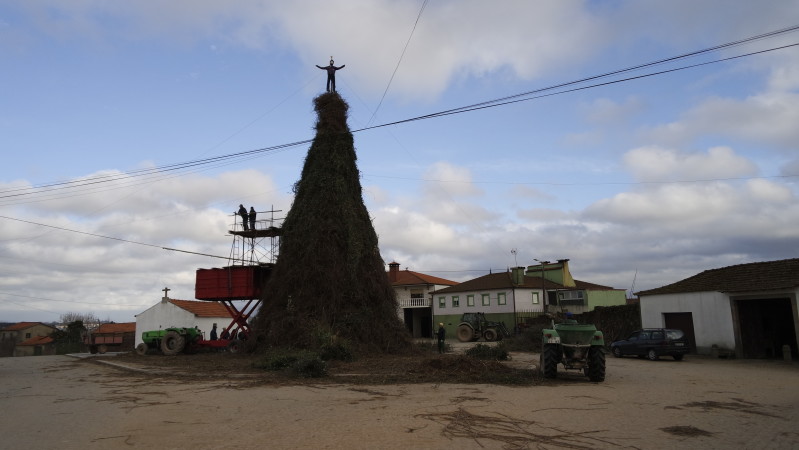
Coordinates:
(517,275)
(393,271)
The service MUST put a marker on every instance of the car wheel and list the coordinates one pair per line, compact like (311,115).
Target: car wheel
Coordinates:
(652,355)
(617,352)
(677,356)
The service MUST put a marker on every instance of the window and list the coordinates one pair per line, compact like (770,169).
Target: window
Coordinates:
(571,298)
(501,300)
(456,301)
(486,300)
(27,335)
(470,300)
(442,302)
(535,298)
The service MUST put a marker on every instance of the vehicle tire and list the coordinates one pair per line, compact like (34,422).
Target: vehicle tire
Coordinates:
(617,352)
(596,364)
(490,335)
(465,333)
(102,348)
(235,346)
(92,349)
(550,356)
(173,343)
(652,355)
(142,348)
(677,356)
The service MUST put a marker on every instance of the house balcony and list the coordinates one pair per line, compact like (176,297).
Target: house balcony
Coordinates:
(415,302)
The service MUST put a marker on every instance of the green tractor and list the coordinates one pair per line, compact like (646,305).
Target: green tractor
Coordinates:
(169,341)
(576,346)
(475,325)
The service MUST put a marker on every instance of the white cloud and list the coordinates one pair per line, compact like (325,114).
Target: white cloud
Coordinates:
(662,164)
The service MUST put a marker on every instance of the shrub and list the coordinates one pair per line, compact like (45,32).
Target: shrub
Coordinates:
(495,353)
(309,367)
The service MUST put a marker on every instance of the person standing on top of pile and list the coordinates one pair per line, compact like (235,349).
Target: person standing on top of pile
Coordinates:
(331,74)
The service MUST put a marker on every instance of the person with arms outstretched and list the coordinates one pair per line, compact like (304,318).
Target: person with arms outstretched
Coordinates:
(331,75)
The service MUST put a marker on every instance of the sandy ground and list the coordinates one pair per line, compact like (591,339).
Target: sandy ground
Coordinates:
(60,402)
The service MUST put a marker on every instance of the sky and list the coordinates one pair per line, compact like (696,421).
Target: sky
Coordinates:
(639,183)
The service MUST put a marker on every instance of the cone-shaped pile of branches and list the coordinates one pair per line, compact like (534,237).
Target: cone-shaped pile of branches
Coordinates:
(329,284)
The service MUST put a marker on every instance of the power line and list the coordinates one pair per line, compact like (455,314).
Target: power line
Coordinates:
(419,16)
(127,241)
(502,101)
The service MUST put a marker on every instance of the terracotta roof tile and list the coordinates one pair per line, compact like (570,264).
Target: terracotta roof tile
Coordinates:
(21,326)
(126,327)
(409,277)
(503,280)
(202,308)
(759,276)
(37,340)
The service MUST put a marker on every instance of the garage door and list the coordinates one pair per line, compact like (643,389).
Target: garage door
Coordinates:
(682,321)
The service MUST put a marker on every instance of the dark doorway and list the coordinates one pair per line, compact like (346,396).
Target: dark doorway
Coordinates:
(409,320)
(682,321)
(766,325)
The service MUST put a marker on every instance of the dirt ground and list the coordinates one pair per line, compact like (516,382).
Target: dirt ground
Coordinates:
(219,401)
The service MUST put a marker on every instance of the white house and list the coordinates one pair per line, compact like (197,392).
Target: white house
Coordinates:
(182,313)
(749,308)
(413,298)
(511,297)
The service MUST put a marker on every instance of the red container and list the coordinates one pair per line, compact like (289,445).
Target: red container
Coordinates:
(231,283)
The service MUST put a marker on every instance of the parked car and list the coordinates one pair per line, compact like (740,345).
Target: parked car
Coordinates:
(653,343)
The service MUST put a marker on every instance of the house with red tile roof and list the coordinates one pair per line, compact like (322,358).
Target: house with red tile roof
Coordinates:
(14,334)
(516,294)
(35,346)
(750,309)
(413,298)
(182,313)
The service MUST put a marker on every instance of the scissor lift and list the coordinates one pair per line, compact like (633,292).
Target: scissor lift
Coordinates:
(252,258)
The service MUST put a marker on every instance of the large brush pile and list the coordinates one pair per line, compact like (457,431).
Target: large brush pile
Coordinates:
(329,285)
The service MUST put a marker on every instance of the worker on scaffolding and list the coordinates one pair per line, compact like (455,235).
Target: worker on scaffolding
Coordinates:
(244,217)
(252,218)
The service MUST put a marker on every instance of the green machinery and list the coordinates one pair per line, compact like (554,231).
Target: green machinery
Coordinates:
(576,346)
(170,341)
(475,325)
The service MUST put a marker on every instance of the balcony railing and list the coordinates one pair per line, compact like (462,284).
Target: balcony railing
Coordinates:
(415,303)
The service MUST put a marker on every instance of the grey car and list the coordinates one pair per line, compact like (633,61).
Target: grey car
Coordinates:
(653,343)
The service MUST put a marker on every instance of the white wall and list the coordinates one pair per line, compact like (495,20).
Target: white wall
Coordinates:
(166,315)
(493,308)
(711,312)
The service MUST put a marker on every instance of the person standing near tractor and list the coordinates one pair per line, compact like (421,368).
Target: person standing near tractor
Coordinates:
(441,335)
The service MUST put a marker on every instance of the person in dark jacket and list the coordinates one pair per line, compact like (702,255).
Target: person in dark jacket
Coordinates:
(252,218)
(441,335)
(331,75)
(213,333)
(244,217)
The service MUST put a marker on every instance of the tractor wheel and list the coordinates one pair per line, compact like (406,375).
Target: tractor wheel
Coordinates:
(550,356)
(235,346)
(490,335)
(596,364)
(102,348)
(465,333)
(142,348)
(173,343)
